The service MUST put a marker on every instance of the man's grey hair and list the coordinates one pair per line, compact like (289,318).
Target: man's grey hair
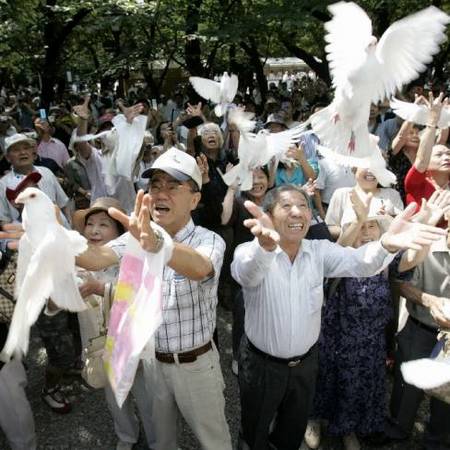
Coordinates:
(273,196)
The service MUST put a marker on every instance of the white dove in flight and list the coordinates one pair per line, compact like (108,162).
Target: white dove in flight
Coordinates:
(222,93)
(256,150)
(45,268)
(418,113)
(365,70)
(374,161)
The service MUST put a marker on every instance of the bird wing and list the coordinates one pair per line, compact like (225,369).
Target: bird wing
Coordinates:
(410,111)
(77,241)
(230,87)
(206,88)
(426,373)
(23,259)
(242,120)
(342,160)
(34,289)
(444,120)
(239,175)
(278,143)
(373,160)
(405,48)
(336,133)
(130,139)
(349,33)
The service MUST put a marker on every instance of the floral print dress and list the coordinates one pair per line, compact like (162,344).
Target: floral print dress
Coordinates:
(351,386)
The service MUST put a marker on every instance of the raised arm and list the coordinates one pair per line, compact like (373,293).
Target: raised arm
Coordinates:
(361,209)
(228,201)
(401,137)
(369,259)
(428,139)
(82,111)
(297,152)
(434,303)
(185,260)
(252,260)
(430,213)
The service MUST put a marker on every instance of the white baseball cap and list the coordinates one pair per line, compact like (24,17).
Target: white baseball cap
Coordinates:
(178,165)
(16,138)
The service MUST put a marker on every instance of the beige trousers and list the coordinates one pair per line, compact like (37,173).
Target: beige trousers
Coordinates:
(196,390)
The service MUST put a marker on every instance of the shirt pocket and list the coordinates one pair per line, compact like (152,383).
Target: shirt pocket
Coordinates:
(315,298)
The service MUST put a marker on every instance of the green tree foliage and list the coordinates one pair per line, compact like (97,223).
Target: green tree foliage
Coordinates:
(102,41)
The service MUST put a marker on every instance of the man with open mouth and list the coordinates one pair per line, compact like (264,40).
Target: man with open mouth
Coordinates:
(281,275)
(431,168)
(186,376)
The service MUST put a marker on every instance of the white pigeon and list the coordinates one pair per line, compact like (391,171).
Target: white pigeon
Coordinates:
(418,114)
(427,373)
(374,161)
(222,93)
(45,268)
(365,70)
(256,150)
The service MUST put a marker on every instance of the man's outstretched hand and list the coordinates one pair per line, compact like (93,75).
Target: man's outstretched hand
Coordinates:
(138,224)
(261,227)
(404,234)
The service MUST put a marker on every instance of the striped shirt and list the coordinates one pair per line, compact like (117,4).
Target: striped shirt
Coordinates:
(189,307)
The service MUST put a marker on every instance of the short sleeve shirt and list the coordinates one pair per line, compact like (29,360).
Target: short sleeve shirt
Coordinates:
(189,307)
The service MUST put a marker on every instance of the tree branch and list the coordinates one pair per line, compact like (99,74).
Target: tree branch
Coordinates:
(320,68)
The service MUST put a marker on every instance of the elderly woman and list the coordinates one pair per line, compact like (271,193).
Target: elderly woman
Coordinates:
(366,183)
(99,228)
(404,149)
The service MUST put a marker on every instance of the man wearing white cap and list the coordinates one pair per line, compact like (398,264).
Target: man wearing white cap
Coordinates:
(20,152)
(186,376)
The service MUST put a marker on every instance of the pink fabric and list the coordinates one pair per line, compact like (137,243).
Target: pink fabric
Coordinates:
(54,149)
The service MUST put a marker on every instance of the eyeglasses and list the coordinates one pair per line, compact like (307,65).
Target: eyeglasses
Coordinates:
(172,187)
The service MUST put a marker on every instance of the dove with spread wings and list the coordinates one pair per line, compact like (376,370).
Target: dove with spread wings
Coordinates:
(222,93)
(45,268)
(375,162)
(256,150)
(418,112)
(365,70)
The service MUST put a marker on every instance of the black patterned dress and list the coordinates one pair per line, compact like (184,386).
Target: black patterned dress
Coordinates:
(351,388)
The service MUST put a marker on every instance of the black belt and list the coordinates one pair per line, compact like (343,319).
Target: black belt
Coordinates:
(423,326)
(290,362)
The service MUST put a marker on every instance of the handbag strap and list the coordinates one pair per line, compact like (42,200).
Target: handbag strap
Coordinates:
(107,303)
(6,294)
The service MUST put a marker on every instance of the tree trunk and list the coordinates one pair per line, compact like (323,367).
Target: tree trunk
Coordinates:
(251,49)
(192,48)
(320,68)
(55,34)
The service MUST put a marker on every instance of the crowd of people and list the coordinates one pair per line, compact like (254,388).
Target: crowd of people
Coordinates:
(311,261)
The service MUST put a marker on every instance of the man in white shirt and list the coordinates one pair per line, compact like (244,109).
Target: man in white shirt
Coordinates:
(281,275)
(20,152)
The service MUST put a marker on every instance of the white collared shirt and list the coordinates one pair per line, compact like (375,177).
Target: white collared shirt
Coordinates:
(283,300)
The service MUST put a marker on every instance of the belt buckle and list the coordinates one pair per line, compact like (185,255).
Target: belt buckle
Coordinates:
(294,363)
